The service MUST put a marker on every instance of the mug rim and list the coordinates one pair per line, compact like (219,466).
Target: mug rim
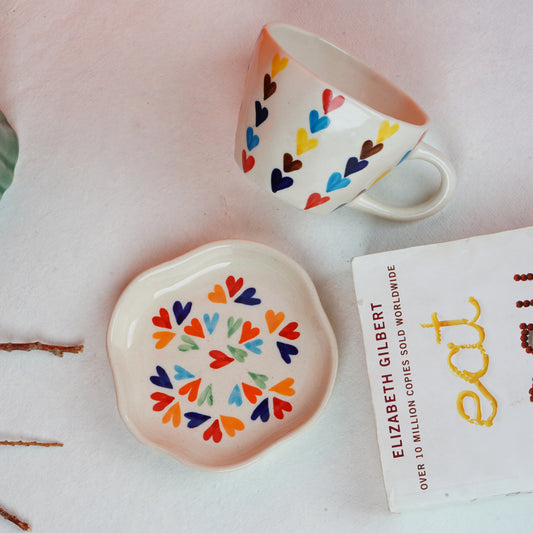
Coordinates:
(423,120)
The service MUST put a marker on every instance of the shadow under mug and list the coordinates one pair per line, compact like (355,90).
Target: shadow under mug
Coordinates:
(317,128)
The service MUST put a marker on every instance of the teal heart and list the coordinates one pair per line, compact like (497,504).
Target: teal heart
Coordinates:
(253,346)
(9,151)
(336,182)
(207,395)
(235,396)
(181,373)
(316,122)
(259,379)
(189,344)
(211,322)
(233,325)
(238,354)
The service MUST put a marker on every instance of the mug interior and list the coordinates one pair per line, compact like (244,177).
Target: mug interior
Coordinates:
(346,73)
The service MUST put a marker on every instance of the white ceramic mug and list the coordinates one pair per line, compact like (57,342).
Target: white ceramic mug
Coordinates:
(317,128)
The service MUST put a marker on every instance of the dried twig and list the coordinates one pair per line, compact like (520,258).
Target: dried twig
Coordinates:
(12,518)
(29,443)
(28,346)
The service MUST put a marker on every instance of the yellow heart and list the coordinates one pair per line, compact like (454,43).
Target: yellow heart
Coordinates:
(304,143)
(273,320)
(278,64)
(163,338)
(218,296)
(174,414)
(386,131)
(231,424)
(284,387)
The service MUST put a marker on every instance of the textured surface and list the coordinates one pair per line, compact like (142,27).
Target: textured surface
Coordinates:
(125,113)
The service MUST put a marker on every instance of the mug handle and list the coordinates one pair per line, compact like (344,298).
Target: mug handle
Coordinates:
(447,185)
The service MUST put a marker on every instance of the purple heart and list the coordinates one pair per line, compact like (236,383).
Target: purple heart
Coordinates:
(278,181)
(261,113)
(262,411)
(286,351)
(195,419)
(354,165)
(181,312)
(162,379)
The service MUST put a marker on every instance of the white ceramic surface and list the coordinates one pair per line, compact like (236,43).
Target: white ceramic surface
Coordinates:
(317,128)
(221,353)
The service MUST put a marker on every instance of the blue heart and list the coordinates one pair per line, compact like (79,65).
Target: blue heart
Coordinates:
(354,165)
(278,181)
(251,140)
(247,298)
(317,123)
(181,373)
(336,182)
(211,322)
(253,346)
(235,396)
(261,113)
(162,379)
(262,411)
(196,419)
(286,351)
(181,312)
(405,156)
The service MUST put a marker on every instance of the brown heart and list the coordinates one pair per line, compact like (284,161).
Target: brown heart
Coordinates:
(269,87)
(290,164)
(368,149)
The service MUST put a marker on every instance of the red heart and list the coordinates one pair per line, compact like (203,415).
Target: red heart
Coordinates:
(247,162)
(162,320)
(191,389)
(280,406)
(233,285)
(315,199)
(162,400)
(329,103)
(289,331)
(195,329)
(213,432)
(248,332)
(220,359)
(251,392)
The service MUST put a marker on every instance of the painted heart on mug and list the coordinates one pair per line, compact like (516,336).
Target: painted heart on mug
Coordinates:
(290,164)
(369,149)
(336,182)
(329,103)
(279,64)
(386,131)
(261,113)
(353,165)
(252,140)
(304,143)
(315,199)
(316,122)
(278,181)
(247,162)
(269,87)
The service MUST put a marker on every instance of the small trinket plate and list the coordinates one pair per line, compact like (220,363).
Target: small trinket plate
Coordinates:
(221,353)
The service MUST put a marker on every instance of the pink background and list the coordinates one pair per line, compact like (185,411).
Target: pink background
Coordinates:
(126,114)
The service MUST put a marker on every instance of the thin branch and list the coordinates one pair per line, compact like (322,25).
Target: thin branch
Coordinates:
(29,443)
(28,346)
(12,518)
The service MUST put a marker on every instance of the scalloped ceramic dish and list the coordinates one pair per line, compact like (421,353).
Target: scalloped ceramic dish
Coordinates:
(221,353)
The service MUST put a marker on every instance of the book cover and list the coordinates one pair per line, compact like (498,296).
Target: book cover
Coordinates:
(448,335)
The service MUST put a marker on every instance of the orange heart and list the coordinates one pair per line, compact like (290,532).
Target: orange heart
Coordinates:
(278,64)
(163,338)
(273,320)
(191,389)
(304,143)
(231,424)
(174,414)
(218,296)
(195,329)
(248,332)
(284,387)
(251,392)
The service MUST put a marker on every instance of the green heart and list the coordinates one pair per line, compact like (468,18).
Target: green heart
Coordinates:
(9,150)
(190,344)
(233,325)
(207,394)
(259,379)
(238,354)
